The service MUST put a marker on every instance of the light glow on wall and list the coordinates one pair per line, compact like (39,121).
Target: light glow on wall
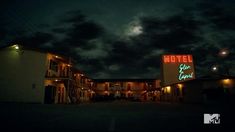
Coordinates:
(180,85)
(226,81)
(168,89)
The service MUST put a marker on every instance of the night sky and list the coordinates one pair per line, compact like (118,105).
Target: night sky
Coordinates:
(124,38)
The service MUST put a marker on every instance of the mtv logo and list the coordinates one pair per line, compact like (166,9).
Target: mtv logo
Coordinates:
(211,118)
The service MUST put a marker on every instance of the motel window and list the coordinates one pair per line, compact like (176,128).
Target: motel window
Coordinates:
(53,65)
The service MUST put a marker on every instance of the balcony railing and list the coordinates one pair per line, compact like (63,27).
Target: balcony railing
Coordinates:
(52,74)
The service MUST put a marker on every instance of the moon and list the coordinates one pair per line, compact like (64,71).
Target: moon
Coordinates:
(135,30)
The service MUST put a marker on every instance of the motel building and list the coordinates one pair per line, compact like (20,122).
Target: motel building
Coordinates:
(126,89)
(32,76)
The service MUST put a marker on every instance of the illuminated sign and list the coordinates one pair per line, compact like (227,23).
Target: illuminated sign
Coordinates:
(177,68)
(177,58)
(182,75)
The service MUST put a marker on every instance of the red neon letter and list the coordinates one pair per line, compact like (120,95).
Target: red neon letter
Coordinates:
(172,58)
(185,58)
(190,59)
(178,58)
(166,58)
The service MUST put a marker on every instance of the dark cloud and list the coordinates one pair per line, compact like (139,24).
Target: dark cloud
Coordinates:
(222,18)
(59,30)
(176,34)
(78,30)
(170,34)
(73,17)
(102,48)
(36,40)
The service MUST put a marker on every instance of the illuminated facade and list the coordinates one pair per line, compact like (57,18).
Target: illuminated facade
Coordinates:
(132,89)
(207,89)
(29,75)
(32,76)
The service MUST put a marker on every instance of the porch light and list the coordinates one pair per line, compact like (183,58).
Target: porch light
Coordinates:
(16,46)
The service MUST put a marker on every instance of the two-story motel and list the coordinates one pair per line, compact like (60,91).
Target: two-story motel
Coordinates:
(35,76)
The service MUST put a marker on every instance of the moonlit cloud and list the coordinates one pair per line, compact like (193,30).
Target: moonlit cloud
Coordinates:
(114,67)
(123,39)
(99,52)
(154,53)
(135,30)
(91,54)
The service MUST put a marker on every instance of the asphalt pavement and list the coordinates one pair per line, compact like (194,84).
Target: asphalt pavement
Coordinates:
(114,117)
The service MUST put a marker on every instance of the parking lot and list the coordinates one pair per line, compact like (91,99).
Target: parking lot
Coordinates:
(120,116)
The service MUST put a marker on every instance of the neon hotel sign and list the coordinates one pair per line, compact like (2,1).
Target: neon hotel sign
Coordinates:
(183,67)
(177,59)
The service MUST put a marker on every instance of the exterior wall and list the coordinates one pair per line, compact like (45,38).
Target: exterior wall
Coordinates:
(22,75)
(229,85)
(26,75)
(188,92)
(133,90)
(193,92)
(223,91)
(200,91)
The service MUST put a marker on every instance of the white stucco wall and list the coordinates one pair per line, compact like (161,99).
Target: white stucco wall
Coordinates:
(22,75)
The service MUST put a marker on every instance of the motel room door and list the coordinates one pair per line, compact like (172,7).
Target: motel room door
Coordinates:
(49,97)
